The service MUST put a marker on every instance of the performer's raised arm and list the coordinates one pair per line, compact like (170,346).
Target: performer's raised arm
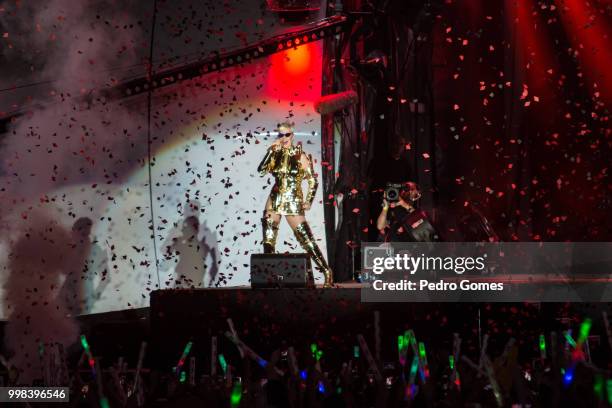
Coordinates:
(268,161)
(311,178)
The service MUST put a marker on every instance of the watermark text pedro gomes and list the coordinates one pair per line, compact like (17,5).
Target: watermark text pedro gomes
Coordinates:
(424,284)
(413,264)
(486,271)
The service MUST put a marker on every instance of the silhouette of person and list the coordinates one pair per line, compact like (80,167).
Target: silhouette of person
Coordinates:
(79,291)
(191,249)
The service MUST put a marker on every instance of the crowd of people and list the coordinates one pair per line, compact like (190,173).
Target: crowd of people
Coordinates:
(515,363)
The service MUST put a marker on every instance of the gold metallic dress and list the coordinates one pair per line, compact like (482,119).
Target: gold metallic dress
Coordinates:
(286,196)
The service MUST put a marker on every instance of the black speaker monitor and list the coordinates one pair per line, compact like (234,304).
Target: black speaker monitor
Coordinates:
(281,270)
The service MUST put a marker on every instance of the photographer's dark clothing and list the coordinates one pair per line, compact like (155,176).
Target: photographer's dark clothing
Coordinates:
(407,226)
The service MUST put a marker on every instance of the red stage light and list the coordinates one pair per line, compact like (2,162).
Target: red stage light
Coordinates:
(293,70)
(292,62)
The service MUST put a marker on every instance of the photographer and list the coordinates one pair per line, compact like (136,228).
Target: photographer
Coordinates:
(400,220)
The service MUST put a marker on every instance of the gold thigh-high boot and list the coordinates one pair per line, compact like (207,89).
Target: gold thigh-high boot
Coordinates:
(306,239)
(270,232)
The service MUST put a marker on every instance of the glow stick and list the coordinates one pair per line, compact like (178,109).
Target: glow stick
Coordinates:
(141,354)
(598,386)
(493,382)
(542,347)
(230,323)
(321,387)
(483,350)
(569,340)
(423,359)
(587,349)
(140,395)
(609,389)
(356,351)
(213,356)
(577,355)
(249,352)
(120,391)
(181,361)
(316,353)
(456,345)
(223,363)
(410,389)
(90,358)
(415,349)
(103,400)
(454,375)
(377,341)
(568,376)
(583,337)
(585,327)
(228,376)
(192,367)
(402,348)
(455,358)
(413,369)
(369,358)
(236,394)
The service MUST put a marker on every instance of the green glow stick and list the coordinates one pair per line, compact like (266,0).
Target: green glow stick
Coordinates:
(236,394)
(451,362)
(609,389)
(400,343)
(313,349)
(542,346)
(411,337)
(181,362)
(84,343)
(413,369)
(422,351)
(423,358)
(223,363)
(598,386)
(569,339)
(316,353)
(90,358)
(585,327)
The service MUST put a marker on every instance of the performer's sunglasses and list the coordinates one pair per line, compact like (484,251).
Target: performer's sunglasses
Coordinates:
(284,135)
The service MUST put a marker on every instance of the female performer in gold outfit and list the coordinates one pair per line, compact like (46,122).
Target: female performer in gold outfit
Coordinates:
(290,166)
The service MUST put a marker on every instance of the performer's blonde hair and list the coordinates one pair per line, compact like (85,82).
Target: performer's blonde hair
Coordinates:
(286,124)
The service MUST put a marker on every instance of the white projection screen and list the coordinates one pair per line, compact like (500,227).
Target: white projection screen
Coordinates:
(208,136)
